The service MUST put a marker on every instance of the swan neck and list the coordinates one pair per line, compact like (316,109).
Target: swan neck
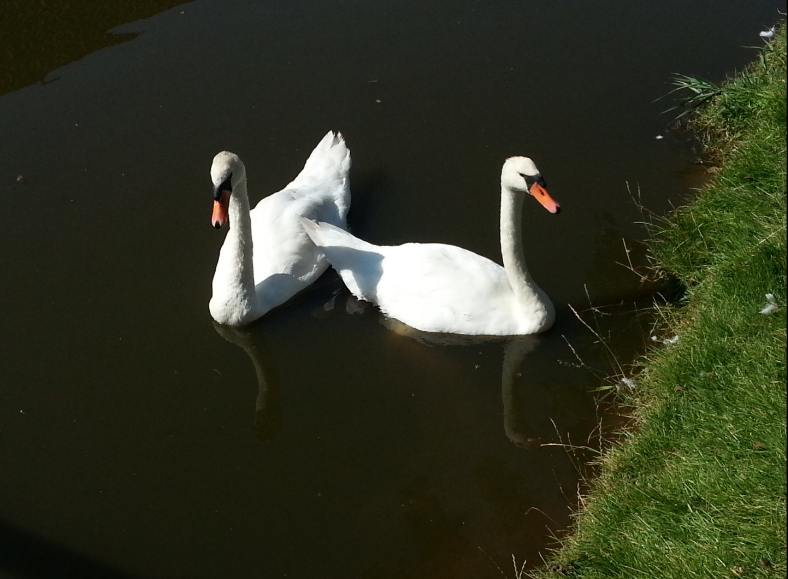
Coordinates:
(537,309)
(240,217)
(241,234)
(512,244)
(234,297)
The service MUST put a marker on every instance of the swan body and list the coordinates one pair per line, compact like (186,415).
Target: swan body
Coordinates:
(443,288)
(266,257)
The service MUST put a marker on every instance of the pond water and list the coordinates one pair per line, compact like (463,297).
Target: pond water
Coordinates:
(137,439)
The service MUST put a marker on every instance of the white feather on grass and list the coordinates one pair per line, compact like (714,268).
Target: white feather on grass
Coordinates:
(767,33)
(672,340)
(771,305)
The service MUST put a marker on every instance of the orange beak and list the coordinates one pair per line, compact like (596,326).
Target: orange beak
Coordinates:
(544,198)
(220,208)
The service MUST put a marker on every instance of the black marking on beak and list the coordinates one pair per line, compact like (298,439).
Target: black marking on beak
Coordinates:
(225,185)
(531,179)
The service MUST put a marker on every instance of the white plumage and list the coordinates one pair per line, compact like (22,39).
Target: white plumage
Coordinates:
(442,288)
(266,257)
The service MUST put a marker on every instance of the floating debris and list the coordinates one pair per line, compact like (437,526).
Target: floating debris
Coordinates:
(767,33)
(659,137)
(672,340)
(771,305)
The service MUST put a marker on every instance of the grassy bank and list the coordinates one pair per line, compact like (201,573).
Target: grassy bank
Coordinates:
(698,488)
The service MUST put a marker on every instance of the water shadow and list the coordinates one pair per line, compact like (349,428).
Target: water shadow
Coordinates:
(26,555)
(39,37)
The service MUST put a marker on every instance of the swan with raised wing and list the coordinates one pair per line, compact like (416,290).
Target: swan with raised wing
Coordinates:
(267,257)
(443,288)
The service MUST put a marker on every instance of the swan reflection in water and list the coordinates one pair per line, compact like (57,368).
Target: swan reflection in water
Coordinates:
(268,410)
(515,348)
(515,423)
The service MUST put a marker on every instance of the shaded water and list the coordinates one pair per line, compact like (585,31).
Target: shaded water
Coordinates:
(139,440)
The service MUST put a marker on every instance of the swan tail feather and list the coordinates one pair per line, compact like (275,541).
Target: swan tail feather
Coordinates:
(325,235)
(356,261)
(329,162)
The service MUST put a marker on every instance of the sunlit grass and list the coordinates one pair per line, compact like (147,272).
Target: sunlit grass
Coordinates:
(698,488)
(696,92)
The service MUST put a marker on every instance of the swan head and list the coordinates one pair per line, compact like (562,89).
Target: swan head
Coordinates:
(520,174)
(227,171)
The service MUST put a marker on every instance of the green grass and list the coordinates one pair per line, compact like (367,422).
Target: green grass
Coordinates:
(697,489)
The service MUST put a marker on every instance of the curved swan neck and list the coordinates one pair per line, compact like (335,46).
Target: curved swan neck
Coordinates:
(240,218)
(241,233)
(234,298)
(538,310)
(512,244)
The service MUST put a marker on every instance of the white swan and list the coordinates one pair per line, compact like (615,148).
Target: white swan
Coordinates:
(266,257)
(443,288)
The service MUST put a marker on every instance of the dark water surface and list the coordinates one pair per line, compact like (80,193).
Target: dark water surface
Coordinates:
(138,440)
